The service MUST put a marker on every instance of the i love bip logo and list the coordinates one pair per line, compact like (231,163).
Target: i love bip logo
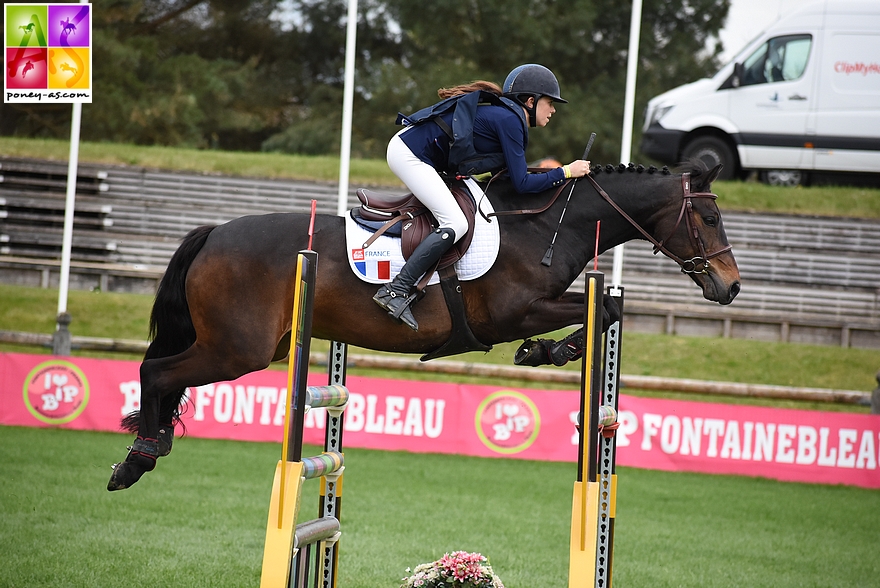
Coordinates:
(507,422)
(56,392)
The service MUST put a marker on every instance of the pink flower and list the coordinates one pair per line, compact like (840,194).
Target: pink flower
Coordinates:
(456,569)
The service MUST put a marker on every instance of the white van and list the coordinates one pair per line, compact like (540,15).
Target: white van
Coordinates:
(803,97)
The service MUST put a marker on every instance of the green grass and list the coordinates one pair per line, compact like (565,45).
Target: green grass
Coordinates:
(248,164)
(819,200)
(749,196)
(199,519)
(126,316)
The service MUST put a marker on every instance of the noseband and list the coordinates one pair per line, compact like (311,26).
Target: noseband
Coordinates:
(694,265)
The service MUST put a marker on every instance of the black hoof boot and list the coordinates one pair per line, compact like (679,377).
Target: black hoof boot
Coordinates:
(166,439)
(565,351)
(141,458)
(568,349)
(550,352)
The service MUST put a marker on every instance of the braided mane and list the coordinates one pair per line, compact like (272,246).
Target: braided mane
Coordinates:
(696,167)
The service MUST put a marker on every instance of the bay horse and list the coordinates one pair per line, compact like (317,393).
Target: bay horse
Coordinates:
(223,308)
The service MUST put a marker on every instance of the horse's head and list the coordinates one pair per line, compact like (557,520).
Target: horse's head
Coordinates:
(692,234)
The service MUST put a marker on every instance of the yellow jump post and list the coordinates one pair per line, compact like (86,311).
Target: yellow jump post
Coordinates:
(284,564)
(595,490)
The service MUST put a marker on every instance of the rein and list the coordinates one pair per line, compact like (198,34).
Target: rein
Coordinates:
(694,265)
(552,200)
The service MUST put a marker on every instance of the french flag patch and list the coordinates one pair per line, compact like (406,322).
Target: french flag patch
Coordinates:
(375,269)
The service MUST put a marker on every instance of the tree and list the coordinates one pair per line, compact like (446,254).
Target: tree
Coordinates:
(583,41)
(251,74)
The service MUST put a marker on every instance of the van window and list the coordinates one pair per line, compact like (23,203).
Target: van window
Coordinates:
(780,59)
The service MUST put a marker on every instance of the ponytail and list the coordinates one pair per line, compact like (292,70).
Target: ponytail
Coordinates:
(483,85)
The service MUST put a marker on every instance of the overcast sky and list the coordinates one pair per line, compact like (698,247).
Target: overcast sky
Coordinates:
(748,18)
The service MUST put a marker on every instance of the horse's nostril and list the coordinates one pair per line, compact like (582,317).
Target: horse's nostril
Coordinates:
(734,290)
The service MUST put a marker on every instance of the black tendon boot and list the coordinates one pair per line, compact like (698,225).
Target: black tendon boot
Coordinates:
(547,351)
(395,296)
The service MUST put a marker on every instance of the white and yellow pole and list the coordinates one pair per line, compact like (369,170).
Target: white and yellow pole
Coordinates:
(284,503)
(585,500)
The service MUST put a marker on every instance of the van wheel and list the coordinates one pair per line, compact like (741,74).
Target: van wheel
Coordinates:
(712,151)
(783,177)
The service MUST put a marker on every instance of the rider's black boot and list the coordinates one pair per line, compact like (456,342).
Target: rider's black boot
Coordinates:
(395,297)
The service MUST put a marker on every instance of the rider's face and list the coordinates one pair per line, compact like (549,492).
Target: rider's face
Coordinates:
(544,111)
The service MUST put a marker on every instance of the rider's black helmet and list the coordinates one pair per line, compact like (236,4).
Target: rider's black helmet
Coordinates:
(532,80)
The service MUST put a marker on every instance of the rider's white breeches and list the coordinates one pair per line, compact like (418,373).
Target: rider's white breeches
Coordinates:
(427,185)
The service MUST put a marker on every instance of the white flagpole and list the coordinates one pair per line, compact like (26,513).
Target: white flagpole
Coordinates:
(61,338)
(632,61)
(347,107)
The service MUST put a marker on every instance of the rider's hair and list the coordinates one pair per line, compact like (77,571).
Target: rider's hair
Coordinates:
(491,87)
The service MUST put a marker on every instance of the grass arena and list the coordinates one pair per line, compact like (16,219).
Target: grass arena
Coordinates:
(200,520)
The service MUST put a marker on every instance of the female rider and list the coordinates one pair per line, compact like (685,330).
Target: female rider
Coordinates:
(455,136)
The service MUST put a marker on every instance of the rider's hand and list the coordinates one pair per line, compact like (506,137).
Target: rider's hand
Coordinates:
(577,168)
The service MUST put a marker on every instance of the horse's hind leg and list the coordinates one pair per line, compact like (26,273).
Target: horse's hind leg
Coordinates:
(167,378)
(145,450)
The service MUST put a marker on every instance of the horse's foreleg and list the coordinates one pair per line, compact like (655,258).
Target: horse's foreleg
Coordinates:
(548,351)
(570,348)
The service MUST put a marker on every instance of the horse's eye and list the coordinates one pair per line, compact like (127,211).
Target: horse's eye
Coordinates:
(710,221)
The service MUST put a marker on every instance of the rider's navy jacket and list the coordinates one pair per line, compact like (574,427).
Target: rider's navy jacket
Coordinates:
(499,137)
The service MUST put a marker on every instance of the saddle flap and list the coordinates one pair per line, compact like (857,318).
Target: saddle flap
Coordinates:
(425,223)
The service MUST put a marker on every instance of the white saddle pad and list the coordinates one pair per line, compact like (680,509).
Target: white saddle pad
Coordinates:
(382,260)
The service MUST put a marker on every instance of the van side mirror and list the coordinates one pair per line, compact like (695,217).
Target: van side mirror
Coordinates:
(738,74)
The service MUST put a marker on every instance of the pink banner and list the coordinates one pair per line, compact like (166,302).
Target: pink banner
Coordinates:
(792,445)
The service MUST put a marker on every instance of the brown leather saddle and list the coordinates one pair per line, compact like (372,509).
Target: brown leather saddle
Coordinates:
(386,213)
(414,219)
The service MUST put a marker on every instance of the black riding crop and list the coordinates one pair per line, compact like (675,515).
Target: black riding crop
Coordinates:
(548,257)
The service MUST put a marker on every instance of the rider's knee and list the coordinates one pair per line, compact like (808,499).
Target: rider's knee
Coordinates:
(457,224)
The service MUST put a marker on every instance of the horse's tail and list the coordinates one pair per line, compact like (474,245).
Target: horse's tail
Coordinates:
(171,327)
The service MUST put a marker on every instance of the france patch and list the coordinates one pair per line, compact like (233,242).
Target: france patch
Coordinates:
(372,269)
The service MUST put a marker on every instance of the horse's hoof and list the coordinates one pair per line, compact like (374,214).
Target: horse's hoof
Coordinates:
(533,353)
(140,459)
(166,439)
(124,475)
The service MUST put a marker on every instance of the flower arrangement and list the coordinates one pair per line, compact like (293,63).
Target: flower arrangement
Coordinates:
(458,569)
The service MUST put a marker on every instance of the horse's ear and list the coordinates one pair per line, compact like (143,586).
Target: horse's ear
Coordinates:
(713,174)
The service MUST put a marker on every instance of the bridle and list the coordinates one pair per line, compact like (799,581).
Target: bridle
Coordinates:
(694,265)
